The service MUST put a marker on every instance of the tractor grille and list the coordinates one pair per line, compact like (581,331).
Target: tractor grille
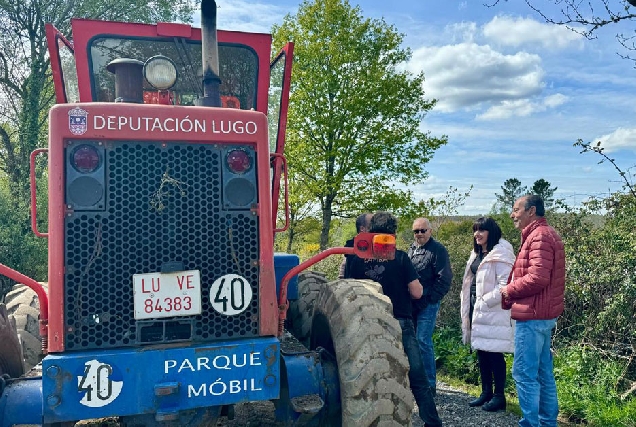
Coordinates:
(163,205)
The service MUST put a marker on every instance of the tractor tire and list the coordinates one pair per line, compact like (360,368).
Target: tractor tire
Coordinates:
(23,305)
(11,350)
(353,321)
(301,311)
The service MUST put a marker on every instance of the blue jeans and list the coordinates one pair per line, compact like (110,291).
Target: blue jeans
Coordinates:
(533,373)
(419,387)
(425,324)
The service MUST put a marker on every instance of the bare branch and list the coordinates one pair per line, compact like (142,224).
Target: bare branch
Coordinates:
(7,149)
(5,79)
(574,16)
(588,146)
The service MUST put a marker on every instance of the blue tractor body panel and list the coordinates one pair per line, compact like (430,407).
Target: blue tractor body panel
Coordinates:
(159,379)
(307,373)
(21,402)
(282,264)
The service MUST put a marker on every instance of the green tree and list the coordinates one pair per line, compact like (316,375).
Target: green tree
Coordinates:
(541,187)
(25,74)
(510,191)
(354,139)
(300,209)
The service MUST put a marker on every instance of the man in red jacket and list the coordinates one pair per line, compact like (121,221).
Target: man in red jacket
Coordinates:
(535,294)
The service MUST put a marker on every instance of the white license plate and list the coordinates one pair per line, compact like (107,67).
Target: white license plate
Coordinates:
(167,294)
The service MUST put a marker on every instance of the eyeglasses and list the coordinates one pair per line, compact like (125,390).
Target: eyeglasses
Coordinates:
(420,231)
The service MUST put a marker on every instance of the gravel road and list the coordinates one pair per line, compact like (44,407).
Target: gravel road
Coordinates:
(452,405)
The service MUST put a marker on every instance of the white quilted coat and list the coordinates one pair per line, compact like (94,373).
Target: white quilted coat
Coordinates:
(492,328)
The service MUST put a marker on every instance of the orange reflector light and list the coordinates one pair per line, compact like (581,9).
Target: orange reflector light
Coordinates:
(384,246)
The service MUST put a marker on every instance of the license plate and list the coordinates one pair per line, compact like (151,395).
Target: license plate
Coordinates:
(167,294)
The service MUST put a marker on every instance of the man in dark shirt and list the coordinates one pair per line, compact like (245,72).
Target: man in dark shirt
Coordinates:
(430,259)
(400,283)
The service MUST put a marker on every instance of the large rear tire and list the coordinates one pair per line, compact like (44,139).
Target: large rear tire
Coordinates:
(354,321)
(310,284)
(23,305)
(11,350)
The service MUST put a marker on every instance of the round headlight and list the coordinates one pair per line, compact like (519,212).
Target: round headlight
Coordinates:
(160,72)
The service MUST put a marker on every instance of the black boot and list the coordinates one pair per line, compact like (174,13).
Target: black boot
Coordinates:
(497,403)
(483,398)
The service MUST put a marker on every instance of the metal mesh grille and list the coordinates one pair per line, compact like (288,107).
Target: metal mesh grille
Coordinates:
(163,205)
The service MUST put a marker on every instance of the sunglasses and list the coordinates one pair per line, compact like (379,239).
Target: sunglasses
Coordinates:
(420,230)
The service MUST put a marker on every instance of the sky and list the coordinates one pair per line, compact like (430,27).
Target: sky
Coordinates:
(513,93)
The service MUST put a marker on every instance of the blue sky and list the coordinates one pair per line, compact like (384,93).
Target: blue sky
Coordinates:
(514,93)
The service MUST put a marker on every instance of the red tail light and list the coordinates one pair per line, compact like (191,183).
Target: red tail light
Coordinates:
(238,161)
(85,159)
(362,245)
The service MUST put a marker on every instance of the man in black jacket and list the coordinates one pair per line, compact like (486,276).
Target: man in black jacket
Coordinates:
(430,259)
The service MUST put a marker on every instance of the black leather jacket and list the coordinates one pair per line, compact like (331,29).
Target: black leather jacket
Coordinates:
(433,267)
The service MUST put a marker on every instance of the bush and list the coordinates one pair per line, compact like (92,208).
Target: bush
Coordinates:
(600,284)
(587,388)
(452,357)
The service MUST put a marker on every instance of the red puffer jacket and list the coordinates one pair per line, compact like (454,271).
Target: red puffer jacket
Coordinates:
(537,288)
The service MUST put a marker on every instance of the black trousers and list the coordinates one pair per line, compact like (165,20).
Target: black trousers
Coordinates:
(417,377)
(492,366)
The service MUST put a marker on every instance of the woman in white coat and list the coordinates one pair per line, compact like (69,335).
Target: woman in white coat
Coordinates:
(485,325)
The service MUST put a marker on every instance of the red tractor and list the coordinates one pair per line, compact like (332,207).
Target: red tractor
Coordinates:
(166,304)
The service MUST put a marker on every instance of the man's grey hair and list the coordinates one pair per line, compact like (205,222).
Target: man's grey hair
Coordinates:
(536,201)
(428,223)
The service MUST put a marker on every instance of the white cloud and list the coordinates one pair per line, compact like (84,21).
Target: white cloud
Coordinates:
(468,74)
(507,109)
(621,138)
(247,16)
(460,32)
(516,32)
(555,100)
(522,107)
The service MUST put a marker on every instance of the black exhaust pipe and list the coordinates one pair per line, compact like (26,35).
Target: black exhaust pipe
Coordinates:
(210,56)
(129,80)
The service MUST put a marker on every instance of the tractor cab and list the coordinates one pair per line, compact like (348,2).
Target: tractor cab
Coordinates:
(163,64)
(163,58)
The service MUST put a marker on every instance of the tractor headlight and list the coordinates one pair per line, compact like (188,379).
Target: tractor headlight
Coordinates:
(160,72)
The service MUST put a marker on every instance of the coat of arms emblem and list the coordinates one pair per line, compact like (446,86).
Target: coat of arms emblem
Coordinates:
(77,119)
